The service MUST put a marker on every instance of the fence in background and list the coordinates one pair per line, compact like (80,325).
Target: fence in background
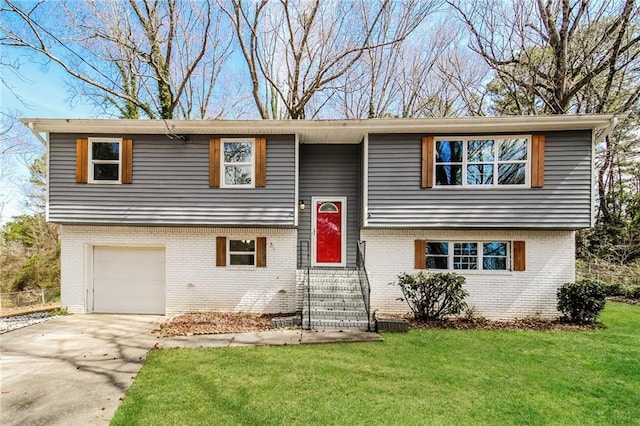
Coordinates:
(28,299)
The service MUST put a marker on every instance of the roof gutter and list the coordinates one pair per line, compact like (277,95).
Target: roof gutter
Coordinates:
(31,127)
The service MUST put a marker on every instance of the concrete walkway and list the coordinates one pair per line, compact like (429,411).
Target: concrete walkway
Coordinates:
(263,338)
(74,370)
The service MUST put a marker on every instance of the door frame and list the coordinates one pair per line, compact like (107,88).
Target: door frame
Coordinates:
(343,229)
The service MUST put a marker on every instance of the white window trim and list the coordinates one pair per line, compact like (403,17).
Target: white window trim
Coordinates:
(91,161)
(480,256)
(224,164)
(254,252)
(464,163)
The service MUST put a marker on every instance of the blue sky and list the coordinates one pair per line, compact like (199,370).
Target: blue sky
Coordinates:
(36,92)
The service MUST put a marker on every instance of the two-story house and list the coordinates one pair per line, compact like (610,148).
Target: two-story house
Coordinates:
(170,216)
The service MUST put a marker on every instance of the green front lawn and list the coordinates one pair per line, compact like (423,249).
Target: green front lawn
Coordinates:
(423,377)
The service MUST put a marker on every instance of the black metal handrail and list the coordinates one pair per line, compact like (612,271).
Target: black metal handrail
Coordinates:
(363,278)
(304,263)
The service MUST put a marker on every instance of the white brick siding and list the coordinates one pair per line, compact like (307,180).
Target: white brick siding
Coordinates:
(193,282)
(550,262)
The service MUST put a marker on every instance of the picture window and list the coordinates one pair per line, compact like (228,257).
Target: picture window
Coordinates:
(474,161)
(486,256)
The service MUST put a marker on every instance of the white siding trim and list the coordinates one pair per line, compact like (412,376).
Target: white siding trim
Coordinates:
(47,150)
(296,189)
(365,182)
(592,211)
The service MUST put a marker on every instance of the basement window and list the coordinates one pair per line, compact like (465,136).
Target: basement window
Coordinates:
(485,256)
(242,252)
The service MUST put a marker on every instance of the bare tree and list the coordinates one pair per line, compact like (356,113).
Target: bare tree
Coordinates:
(296,52)
(156,58)
(550,56)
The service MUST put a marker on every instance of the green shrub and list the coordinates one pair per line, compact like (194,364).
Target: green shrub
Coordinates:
(614,289)
(633,292)
(57,312)
(581,301)
(433,296)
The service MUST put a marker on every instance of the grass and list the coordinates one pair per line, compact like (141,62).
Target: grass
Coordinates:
(423,377)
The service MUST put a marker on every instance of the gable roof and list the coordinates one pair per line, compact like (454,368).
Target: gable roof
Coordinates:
(326,131)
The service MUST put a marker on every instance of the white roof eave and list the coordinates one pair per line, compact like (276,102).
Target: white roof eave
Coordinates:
(324,131)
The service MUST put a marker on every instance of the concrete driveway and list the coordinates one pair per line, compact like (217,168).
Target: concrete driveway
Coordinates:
(71,370)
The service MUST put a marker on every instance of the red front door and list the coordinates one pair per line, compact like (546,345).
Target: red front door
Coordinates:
(329,232)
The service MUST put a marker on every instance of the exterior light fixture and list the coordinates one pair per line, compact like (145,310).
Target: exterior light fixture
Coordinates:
(301,205)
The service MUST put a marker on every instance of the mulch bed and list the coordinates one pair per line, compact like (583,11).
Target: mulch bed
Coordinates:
(536,324)
(215,323)
(221,323)
(486,324)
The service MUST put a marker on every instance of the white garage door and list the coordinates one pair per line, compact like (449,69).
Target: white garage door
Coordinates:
(128,280)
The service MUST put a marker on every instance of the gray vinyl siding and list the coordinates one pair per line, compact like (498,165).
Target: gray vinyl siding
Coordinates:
(171,186)
(395,198)
(331,170)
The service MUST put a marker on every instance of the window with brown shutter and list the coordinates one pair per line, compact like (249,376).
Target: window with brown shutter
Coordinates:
(420,254)
(537,161)
(261,252)
(427,162)
(221,251)
(237,163)
(214,163)
(82,160)
(519,256)
(127,160)
(261,163)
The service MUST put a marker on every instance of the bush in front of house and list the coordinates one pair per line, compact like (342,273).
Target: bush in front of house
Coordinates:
(614,289)
(433,296)
(633,292)
(582,301)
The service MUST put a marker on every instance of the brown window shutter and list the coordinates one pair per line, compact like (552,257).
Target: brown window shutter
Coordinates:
(537,161)
(428,145)
(214,163)
(221,251)
(519,256)
(421,255)
(261,252)
(261,163)
(127,160)
(82,160)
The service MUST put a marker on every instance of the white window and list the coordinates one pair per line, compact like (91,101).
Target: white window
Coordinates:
(238,164)
(485,256)
(105,160)
(242,252)
(482,161)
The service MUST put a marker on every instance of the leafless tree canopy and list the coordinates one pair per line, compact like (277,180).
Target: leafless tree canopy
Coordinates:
(153,58)
(553,56)
(296,52)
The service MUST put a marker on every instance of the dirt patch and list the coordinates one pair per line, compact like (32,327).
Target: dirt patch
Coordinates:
(215,323)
